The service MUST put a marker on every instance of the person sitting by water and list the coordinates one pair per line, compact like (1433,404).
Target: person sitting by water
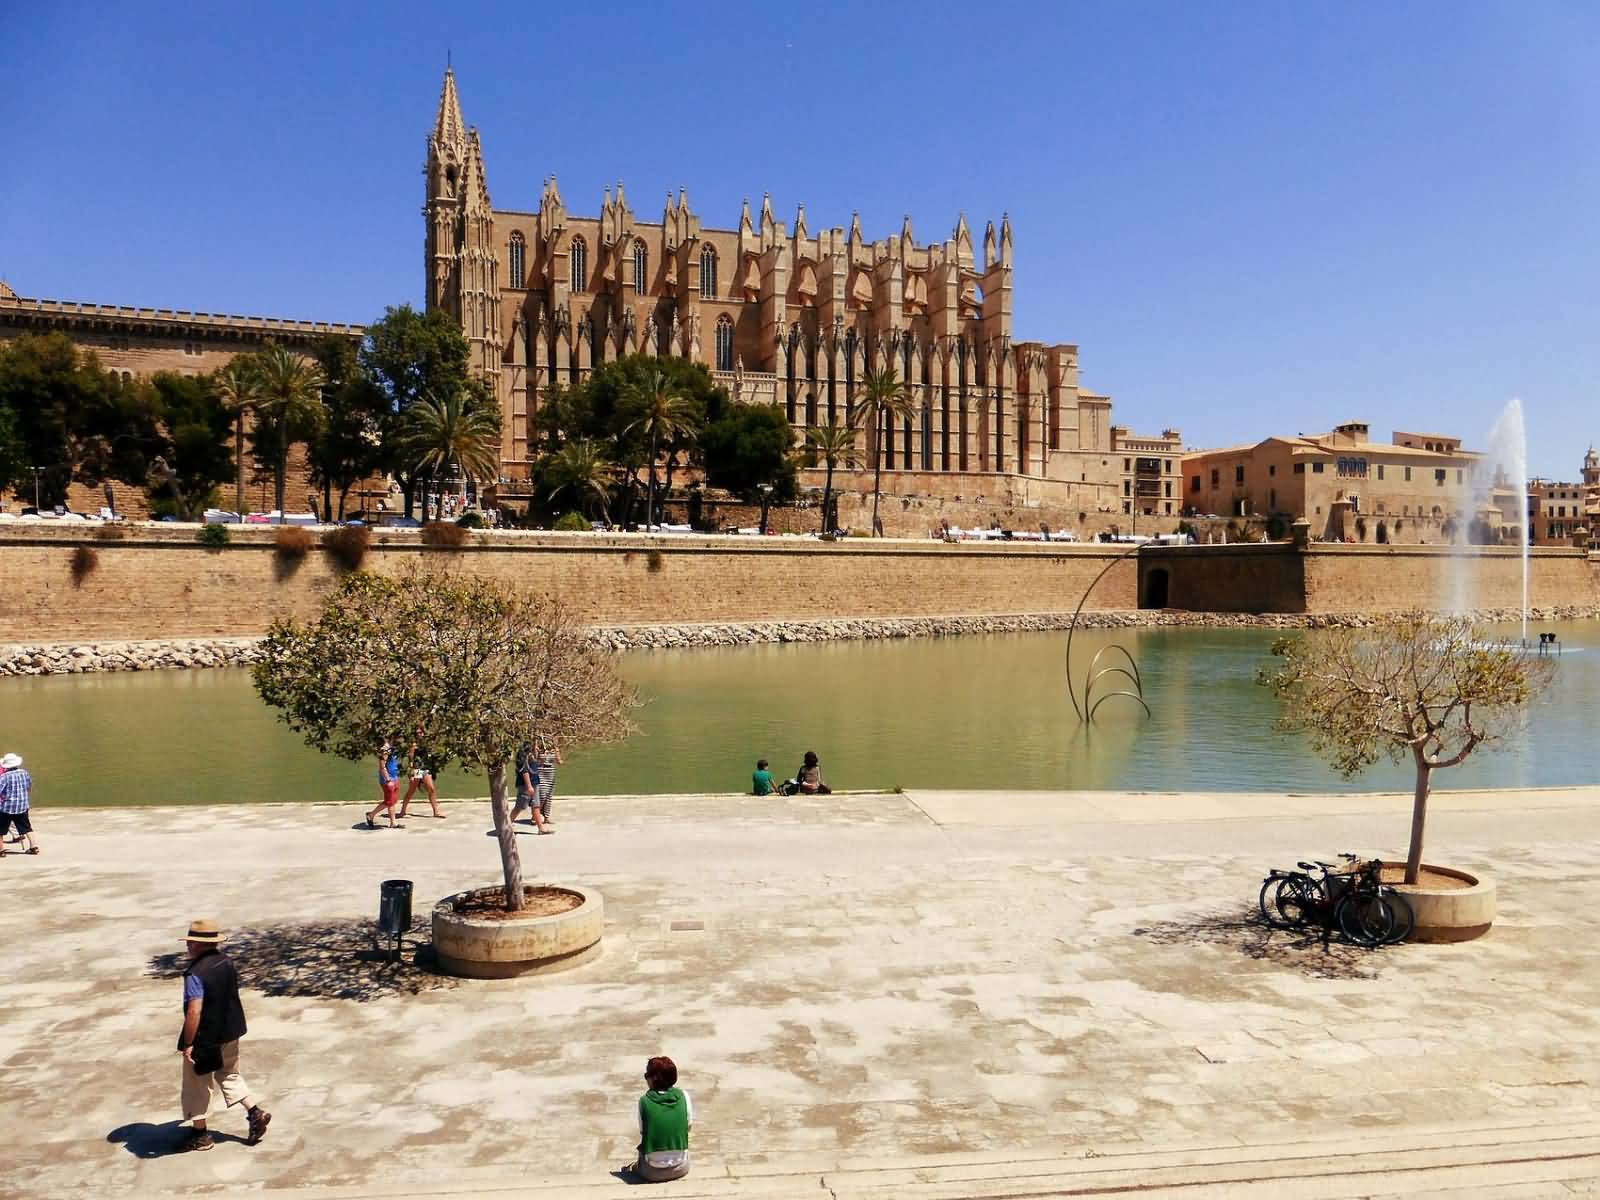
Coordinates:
(761,783)
(666,1115)
(808,779)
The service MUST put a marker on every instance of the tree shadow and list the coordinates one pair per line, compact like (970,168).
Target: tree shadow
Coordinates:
(1311,951)
(144,1140)
(332,960)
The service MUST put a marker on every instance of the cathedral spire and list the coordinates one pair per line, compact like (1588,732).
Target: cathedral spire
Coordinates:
(448,125)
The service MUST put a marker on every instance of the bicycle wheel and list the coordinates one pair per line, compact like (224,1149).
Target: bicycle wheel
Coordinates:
(1405,920)
(1266,901)
(1365,919)
(1297,901)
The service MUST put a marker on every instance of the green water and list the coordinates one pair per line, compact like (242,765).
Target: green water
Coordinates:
(977,712)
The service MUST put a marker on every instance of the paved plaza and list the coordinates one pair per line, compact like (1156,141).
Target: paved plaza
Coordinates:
(929,994)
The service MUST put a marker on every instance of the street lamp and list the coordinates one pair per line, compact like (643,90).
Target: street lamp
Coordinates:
(766,502)
(37,472)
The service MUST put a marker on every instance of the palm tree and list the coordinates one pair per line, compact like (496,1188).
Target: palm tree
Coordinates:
(239,390)
(453,432)
(833,444)
(665,414)
(581,469)
(882,399)
(290,394)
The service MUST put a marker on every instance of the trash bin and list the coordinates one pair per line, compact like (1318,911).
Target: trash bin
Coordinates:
(394,907)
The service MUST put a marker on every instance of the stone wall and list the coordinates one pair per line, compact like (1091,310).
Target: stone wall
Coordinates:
(1326,578)
(156,582)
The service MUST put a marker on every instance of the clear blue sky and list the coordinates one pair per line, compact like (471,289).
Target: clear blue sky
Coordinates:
(1253,218)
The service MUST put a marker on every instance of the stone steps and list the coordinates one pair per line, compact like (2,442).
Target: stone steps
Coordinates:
(1553,1159)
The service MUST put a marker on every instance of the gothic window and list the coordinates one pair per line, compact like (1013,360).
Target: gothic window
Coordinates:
(708,273)
(724,343)
(578,261)
(514,259)
(641,264)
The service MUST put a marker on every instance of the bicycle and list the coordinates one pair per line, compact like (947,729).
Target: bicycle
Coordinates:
(1353,900)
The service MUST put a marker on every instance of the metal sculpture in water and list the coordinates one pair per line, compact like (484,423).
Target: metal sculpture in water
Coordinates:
(1096,672)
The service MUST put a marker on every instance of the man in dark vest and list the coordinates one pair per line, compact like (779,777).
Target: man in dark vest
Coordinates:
(213,1023)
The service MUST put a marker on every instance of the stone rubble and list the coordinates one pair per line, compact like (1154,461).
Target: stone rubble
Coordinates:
(68,658)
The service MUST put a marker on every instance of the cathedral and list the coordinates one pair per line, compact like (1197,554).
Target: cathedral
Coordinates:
(780,315)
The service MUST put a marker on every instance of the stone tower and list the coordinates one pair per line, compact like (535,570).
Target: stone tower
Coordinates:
(463,269)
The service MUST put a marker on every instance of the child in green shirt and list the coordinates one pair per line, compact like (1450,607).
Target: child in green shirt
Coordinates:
(761,782)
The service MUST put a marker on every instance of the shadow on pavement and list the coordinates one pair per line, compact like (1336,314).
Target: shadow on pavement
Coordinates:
(336,960)
(1306,950)
(144,1140)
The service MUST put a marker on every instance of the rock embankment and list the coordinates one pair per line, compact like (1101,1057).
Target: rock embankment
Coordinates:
(67,658)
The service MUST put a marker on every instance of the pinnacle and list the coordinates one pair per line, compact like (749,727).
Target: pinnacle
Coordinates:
(448,125)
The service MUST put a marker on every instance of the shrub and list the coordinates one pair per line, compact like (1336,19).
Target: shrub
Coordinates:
(653,561)
(347,546)
(213,536)
(291,542)
(441,535)
(110,533)
(1278,527)
(572,523)
(84,561)
(472,520)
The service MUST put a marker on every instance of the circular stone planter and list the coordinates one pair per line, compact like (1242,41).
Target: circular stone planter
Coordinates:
(1449,914)
(484,947)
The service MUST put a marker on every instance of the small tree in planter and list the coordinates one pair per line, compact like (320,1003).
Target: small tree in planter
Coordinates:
(474,668)
(1433,689)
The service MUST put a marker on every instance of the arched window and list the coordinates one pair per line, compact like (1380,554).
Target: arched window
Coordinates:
(724,343)
(514,259)
(708,273)
(578,262)
(641,266)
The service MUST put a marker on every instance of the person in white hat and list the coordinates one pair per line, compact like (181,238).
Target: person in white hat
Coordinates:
(213,1023)
(16,785)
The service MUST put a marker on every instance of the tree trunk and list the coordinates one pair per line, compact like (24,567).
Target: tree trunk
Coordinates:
(409,489)
(327,499)
(1419,816)
(827,495)
(877,472)
(282,470)
(344,495)
(650,503)
(506,834)
(238,459)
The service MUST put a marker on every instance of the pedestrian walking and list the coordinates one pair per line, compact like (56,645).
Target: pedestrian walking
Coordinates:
(213,1023)
(16,787)
(422,772)
(527,772)
(388,784)
(549,757)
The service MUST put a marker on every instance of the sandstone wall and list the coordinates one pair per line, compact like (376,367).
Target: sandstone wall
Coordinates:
(1328,578)
(158,583)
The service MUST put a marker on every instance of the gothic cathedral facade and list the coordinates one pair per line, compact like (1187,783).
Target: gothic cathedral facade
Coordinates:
(780,316)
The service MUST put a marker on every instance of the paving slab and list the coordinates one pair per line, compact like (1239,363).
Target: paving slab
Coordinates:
(850,984)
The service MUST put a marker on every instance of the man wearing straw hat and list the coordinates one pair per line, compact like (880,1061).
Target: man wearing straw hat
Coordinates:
(213,1023)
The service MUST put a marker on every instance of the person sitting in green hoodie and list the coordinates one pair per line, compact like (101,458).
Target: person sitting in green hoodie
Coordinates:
(665,1115)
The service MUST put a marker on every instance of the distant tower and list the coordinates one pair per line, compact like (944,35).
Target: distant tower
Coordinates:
(463,270)
(1591,468)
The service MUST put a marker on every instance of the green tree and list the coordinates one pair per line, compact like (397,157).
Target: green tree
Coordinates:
(348,444)
(661,413)
(409,355)
(290,405)
(473,668)
(76,421)
(750,445)
(13,454)
(1431,689)
(459,432)
(831,445)
(194,457)
(581,472)
(236,388)
(883,398)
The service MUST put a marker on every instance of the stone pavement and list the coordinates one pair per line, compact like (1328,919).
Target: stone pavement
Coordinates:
(938,994)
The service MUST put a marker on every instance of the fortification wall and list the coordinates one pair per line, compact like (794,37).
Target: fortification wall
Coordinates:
(156,583)
(1330,578)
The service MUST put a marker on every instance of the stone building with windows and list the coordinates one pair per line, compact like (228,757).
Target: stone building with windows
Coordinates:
(1415,488)
(1152,484)
(780,313)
